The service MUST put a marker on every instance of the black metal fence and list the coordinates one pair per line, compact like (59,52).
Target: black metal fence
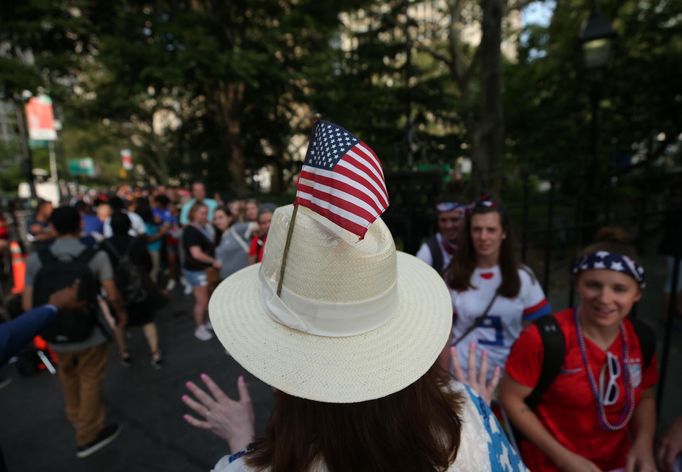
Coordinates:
(552,221)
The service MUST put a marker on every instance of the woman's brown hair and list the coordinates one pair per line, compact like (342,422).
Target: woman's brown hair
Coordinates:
(415,429)
(458,273)
(193,209)
(612,239)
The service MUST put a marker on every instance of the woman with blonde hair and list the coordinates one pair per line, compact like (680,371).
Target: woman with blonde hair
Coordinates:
(197,242)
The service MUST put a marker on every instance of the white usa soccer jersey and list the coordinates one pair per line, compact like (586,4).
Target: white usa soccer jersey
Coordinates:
(505,318)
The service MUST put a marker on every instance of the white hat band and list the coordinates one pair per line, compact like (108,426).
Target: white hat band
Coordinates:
(324,318)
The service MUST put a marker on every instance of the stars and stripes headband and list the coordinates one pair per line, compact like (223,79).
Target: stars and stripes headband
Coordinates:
(611,261)
(444,207)
(485,202)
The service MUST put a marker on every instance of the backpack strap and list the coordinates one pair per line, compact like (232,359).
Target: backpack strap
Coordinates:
(239,240)
(111,248)
(554,348)
(87,254)
(436,253)
(647,341)
(47,257)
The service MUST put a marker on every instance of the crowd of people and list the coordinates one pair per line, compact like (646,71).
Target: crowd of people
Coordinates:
(127,250)
(436,332)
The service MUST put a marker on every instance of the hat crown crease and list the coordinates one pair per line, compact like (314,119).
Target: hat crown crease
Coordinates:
(335,285)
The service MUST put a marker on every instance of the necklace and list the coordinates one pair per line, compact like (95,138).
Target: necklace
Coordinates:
(629,408)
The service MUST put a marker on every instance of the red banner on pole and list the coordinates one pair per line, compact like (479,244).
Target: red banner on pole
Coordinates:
(127,159)
(40,119)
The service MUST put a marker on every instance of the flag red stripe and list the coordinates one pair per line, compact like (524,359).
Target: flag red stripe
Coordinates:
(366,167)
(337,201)
(372,158)
(360,178)
(339,220)
(344,187)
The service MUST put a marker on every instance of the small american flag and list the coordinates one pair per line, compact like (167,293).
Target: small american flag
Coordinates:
(342,179)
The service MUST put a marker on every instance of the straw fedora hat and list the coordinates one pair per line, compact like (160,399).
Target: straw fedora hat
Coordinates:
(356,320)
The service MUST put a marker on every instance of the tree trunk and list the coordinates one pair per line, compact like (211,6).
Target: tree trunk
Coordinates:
(277,183)
(488,130)
(227,99)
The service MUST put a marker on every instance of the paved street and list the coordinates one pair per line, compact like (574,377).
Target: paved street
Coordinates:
(36,437)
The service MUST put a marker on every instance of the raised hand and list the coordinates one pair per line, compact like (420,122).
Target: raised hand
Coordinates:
(476,380)
(232,420)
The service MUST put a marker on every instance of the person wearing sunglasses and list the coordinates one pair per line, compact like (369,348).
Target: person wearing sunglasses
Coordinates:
(437,251)
(598,412)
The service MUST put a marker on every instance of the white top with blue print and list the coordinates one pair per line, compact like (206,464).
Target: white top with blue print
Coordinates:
(483,446)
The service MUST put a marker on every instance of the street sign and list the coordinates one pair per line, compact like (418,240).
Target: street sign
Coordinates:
(81,166)
(40,119)
(127,159)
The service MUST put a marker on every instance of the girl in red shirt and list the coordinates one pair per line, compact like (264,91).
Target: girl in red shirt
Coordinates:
(599,412)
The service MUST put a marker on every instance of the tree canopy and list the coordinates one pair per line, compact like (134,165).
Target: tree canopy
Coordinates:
(220,90)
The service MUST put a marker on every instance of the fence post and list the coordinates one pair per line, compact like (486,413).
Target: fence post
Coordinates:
(524,215)
(548,232)
(571,291)
(667,337)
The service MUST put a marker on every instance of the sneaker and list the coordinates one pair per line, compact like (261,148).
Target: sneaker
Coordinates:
(157,361)
(208,325)
(126,360)
(170,285)
(202,333)
(5,381)
(108,434)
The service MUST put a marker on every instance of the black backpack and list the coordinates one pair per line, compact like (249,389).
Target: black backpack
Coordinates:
(437,261)
(129,279)
(55,274)
(554,347)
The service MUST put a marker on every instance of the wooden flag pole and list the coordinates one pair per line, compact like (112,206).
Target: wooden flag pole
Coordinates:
(286,250)
(290,231)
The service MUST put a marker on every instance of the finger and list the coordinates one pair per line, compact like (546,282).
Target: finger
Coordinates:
(670,456)
(202,396)
(483,372)
(661,453)
(630,463)
(456,366)
(216,391)
(244,395)
(75,285)
(196,423)
(195,406)
(472,364)
(497,373)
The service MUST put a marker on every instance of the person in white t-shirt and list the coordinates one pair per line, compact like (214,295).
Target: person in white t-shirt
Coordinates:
(493,296)
(137,226)
(437,251)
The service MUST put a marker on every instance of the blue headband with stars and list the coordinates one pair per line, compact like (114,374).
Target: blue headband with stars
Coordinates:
(611,261)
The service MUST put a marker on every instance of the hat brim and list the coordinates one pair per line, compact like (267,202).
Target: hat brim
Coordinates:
(336,369)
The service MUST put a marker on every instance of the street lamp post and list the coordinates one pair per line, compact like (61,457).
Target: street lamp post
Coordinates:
(596,38)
